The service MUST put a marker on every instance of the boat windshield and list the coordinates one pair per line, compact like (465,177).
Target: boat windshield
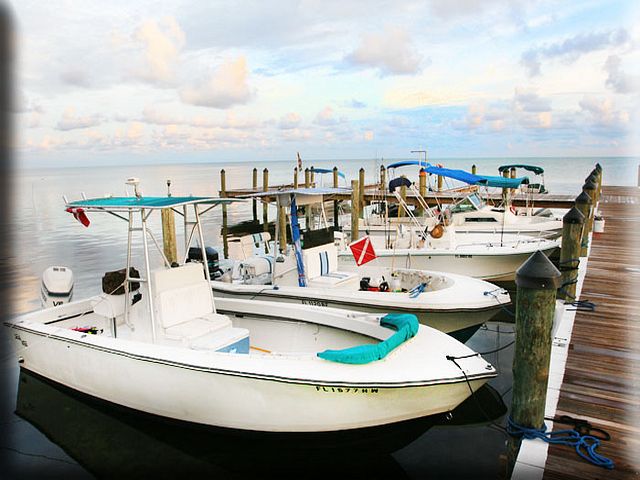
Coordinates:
(468,204)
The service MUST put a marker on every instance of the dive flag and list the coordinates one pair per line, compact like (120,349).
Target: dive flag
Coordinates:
(362,250)
(78,214)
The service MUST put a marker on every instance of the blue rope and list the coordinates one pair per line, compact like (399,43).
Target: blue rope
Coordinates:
(585,445)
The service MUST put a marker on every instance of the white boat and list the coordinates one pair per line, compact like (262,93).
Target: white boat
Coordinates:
(56,286)
(164,347)
(454,304)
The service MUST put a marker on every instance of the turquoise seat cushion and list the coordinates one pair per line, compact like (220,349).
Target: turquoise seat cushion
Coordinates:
(406,326)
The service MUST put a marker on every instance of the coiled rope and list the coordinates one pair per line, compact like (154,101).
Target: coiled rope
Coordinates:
(585,445)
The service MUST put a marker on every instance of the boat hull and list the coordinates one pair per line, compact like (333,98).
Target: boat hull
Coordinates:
(199,392)
(460,323)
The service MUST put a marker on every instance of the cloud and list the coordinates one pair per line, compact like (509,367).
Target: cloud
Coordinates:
(617,80)
(530,101)
(75,78)
(570,49)
(161,42)
(71,121)
(225,87)
(326,117)
(389,51)
(290,120)
(353,103)
(603,117)
(154,116)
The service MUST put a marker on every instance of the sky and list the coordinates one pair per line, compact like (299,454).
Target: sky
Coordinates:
(142,81)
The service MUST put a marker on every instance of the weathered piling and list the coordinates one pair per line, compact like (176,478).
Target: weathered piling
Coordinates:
(312,174)
(590,189)
(583,204)
(536,280)
(265,204)
(295,177)
(355,214)
(422,188)
(403,195)
(225,223)
(572,225)
(255,189)
(474,169)
(361,192)
(383,179)
(505,191)
(282,225)
(307,208)
(336,223)
(439,183)
(169,243)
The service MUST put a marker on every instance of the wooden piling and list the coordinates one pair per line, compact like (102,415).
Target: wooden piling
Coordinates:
(422,189)
(169,242)
(336,223)
(473,169)
(361,192)
(403,195)
(505,191)
(439,183)
(583,204)
(265,204)
(255,189)
(307,208)
(572,225)
(295,177)
(282,225)
(225,224)
(590,189)
(536,280)
(383,179)
(355,214)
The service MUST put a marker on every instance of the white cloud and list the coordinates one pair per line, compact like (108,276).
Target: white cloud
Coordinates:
(326,117)
(617,79)
(290,120)
(603,115)
(529,101)
(161,43)
(225,87)
(71,121)
(389,51)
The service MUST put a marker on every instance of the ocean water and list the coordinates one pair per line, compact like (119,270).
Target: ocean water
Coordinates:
(43,234)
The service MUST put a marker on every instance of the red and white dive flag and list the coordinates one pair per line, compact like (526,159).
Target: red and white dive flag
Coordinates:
(362,250)
(78,214)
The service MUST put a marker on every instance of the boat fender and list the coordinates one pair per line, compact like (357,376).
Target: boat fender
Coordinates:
(364,283)
(384,286)
(437,231)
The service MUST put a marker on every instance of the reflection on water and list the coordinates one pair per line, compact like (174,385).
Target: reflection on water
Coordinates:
(111,441)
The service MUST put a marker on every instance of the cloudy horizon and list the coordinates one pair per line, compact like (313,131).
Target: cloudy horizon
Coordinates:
(187,81)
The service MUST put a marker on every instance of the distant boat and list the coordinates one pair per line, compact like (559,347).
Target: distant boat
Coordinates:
(156,342)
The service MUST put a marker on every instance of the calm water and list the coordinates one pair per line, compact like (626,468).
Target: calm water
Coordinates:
(69,436)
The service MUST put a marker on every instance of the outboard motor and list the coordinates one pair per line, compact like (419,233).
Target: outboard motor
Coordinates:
(56,286)
(213,260)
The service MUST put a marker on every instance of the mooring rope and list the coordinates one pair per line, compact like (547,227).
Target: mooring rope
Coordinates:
(493,294)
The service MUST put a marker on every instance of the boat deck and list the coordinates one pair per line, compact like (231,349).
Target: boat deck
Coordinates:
(602,377)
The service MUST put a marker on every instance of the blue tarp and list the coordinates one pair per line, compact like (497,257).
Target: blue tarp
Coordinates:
(406,325)
(464,176)
(503,182)
(107,203)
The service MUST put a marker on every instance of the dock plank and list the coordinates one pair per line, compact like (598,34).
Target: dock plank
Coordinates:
(602,377)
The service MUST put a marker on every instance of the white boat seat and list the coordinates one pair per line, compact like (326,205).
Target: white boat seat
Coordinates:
(232,340)
(257,265)
(109,306)
(321,267)
(198,327)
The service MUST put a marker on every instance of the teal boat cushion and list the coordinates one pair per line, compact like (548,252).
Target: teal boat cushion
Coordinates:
(406,326)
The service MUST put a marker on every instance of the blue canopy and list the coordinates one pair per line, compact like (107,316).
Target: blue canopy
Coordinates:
(531,168)
(406,163)
(327,170)
(471,179)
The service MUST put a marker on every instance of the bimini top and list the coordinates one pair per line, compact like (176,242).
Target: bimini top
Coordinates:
(406,163)
(326,170)
(531,168)
(301,191)
(150,203)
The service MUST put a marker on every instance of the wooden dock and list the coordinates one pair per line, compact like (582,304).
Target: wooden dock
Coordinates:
(602,378)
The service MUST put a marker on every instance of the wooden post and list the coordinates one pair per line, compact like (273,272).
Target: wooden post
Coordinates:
(255,189)
(473,169)
(265,204)
(403,195)
(383,179)
(355,214)
(169,235)
(336,224)
(505,191)
(282,225)
(422,188)
(295,177)
(583,204)
(593,178)
(439,183)
(590,189)
(361,192)
(537,280)
(307,208)
(312,173)
(223,193)
(572,224)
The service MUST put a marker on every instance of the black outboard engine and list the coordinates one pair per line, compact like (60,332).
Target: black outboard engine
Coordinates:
(213,260)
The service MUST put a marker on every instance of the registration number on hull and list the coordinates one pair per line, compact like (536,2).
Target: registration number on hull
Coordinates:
(346,390)
(316,303)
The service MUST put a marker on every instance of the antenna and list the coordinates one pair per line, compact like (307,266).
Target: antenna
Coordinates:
(168,187)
